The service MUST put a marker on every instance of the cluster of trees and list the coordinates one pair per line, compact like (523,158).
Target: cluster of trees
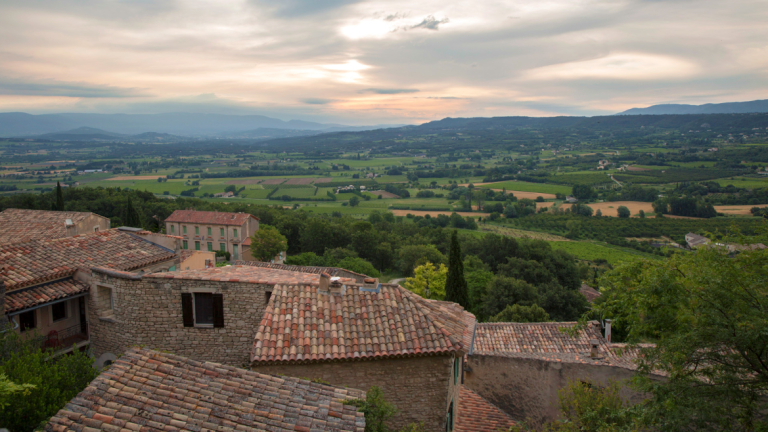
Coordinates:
(684,206)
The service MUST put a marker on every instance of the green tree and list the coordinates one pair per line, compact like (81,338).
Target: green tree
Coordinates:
(415,255)
(376,409)
(267,242)
(10,390)
(708,315)
(354,201)
(358,265)
(428,281)
(59,206)
(504,291)
(132,217)
(623,212)
(478,276)
(455,285)
(523,314)
(48,382)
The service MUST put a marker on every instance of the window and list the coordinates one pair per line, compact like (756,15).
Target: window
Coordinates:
(221,232)
(184,244)
(209,230)
(59,311)
(184,228)
(173,229)
(223,247)
(104,301)
(197,230)
(203,308)
(449,418)
(95,229)
(236,251)
(456,370)
(197,245)
(234,230)
(210,247)
(27,320)
(267,296)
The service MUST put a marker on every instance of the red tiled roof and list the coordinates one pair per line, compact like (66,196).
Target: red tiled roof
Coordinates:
(20,225)
(39,261)
(547,342)
(303,324)
(27,298)
(590,293)
(476,414)
(150,391)
(245,274)
(209,217)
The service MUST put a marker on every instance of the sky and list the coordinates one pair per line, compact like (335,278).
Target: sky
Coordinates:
(379,62)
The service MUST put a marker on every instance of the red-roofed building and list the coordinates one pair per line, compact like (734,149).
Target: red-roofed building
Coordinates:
(21,225)
(46,283)
(214,231)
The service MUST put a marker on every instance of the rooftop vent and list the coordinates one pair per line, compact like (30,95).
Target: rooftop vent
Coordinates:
(370,285)
(68,222)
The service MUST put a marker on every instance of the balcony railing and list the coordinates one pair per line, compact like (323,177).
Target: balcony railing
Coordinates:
(64,339)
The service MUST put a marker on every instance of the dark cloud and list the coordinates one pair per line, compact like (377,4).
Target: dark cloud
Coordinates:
(387,91)
(430,23)
(17,87)
(395,16)
(316,101)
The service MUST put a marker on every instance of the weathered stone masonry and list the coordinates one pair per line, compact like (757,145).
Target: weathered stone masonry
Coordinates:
(147,311)
(418,386)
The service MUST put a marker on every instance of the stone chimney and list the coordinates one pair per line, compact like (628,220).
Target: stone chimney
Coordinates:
(595,352)
(608,330)
(336,287)
(325,280)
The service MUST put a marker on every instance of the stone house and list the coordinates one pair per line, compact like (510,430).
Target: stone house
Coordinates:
(47,282)
(519,367)
(214,231)
(152,391)
(19,226)
(695,240)
(370,334)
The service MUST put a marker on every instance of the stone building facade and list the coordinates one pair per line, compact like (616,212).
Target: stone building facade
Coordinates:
(214,231)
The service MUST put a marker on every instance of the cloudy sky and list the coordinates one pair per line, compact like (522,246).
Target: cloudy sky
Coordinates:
(373,61)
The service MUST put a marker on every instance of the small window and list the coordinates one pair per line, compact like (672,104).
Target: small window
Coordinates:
(197,230)
(104,300)
(27,321)
(221,232)
(173,229)
(210,247)
(223,247)
(449,418)
(185,245)
(456,370)
(95,229)
(235,232)
(59,311)
(197,245)
(209,230)
(203,309)
(267,296)
(184,229)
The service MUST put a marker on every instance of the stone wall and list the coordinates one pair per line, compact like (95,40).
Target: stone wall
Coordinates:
(420,387)
(526,389)
(147,311)
(89,225)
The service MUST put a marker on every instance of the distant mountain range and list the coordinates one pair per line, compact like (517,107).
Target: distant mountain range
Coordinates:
(18,124)
(757,106)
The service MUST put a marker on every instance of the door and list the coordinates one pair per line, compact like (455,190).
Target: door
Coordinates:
(83,320)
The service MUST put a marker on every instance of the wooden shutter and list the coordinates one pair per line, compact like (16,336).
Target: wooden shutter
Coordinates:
(218,310)
(186,310)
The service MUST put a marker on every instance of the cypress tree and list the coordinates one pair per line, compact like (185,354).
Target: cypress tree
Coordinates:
(59,198)
(132,217)
(455,285)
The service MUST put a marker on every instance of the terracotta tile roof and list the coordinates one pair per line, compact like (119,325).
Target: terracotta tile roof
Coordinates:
(40,261)
(590,293)
(476,414)
(545,341)
(244,274)
(21,225)
(301,324)
(150,391)
(332,271)
(40,294)
(209,217)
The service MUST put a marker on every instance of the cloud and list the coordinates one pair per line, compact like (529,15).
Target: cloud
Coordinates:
(623,66)
(18,87)
(316,101)
(388,91)
(430,23)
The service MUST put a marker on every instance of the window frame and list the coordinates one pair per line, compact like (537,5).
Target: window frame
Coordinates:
(194,308)
(210,246)
(66,311)
(197,230)
(221,232)
(197,245)
(173,229)
(184,229)
(236,251)
(234,232)
(209,231)
(101,289)
(184,245)
(223,247)
(33,314)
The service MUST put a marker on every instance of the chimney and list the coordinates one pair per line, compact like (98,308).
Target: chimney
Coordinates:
(608,330)
(336,287)
(2,294)
(594,353)
(325,280)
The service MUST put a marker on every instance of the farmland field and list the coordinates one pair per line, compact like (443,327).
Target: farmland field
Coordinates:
(591,251)
(611,208)
(520,186)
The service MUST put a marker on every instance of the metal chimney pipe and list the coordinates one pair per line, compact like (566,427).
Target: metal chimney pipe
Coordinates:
(608,330)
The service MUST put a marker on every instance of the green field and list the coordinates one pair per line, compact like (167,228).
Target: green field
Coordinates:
(529,187)
(741,182)
(591,251)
